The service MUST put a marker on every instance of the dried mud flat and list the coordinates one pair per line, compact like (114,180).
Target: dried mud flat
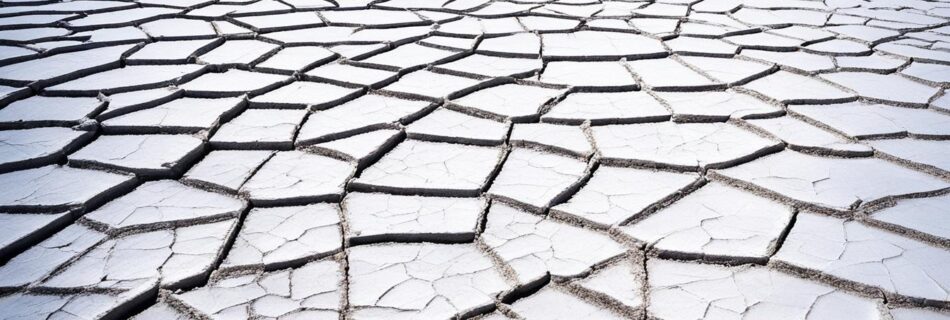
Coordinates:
(442,159)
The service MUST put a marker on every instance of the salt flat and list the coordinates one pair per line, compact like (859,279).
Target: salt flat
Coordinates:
(475,159)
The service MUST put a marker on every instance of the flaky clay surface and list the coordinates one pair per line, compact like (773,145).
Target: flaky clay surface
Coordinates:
(475,159)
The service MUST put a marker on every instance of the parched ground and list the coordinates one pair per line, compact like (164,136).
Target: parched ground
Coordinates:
(490,159)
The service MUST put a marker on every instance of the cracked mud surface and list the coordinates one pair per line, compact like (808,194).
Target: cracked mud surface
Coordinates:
(483,159)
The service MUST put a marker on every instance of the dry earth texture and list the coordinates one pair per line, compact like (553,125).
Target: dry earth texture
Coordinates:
(489,159)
